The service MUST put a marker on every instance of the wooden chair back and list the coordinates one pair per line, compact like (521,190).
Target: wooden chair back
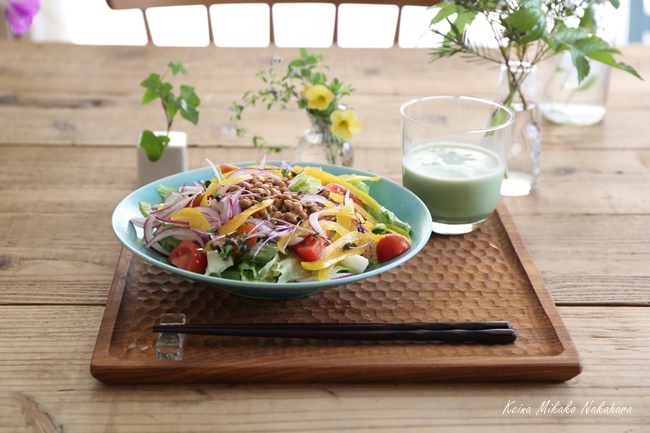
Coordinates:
(145,4)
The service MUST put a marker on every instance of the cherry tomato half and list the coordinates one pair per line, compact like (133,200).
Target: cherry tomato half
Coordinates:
(227,168)
(187,256)
(311,248)
(391,246)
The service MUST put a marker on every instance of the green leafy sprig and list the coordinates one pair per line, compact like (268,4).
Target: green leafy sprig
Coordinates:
(280,90)
(527,31)
(186,103)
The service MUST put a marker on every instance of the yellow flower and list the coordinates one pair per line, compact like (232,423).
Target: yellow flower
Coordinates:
(305,87)
(345,124)
(318,97)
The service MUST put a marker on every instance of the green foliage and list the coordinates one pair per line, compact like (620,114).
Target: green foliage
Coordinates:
(153,145)
(186,102)
(526,31)
(279,90)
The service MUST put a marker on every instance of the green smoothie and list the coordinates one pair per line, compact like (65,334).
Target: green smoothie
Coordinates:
(459,183)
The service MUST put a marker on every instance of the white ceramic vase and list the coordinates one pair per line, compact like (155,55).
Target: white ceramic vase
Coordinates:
(172,161)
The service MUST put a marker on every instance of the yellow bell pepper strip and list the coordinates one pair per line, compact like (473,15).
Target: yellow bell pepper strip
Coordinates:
(214,186)
(301,230)
(354,178)
(324,274)
(334,227)
(334,259)
(209,191)
(341,249)
(367,218)
(326,178)
(347,217)
(196,219)
(241,218)
(399,231)
(230,181)
(335,197)
(338,198)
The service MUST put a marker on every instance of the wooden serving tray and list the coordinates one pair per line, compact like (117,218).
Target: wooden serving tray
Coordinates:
(485,275)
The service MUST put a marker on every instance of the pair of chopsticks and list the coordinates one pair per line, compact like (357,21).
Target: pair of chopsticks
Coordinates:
(494,332)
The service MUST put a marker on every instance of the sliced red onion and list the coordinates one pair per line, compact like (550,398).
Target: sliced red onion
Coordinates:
(290,230)
(223,189)
(225,210)
(295,240)
(138,221)
(202,235)
(149,224)
(173,198)
(179,233)
(212,202)
(316,198)
(347,196)
(313,221)
(169,211)
(209,213)
(217,173)
(160,250)
(255,172)
(175,222)
(235,207)
(263,161)
(286,167)
(190,189)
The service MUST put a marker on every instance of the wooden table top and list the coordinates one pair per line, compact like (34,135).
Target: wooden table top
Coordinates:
(69,120)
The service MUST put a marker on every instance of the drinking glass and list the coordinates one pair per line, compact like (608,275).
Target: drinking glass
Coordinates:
(453,157)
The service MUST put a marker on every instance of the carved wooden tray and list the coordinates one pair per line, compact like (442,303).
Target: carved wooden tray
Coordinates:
(481,276)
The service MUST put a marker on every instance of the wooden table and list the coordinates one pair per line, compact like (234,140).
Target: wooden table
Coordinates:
(69,120)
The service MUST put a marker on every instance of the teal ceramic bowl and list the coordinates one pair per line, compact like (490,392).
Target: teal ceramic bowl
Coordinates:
(406,205)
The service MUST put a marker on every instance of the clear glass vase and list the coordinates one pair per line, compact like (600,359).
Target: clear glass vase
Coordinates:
(566,101)
(319,145)
(518,90)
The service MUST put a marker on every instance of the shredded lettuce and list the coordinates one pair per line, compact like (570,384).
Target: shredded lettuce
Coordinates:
(288,269)
(217,264)
(145,208)
(169,243)
(302,182)
(165,191)
(261,253)
(387,217)
(281,269)
(363,187)
(354,264)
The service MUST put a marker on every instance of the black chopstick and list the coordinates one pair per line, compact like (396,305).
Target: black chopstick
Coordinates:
(496,332)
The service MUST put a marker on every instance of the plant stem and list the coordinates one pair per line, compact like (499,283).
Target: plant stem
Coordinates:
(169,120)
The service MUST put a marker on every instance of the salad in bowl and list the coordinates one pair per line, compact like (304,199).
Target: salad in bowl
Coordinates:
(273,230)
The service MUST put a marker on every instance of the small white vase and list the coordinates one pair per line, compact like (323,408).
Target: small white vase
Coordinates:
(172,161)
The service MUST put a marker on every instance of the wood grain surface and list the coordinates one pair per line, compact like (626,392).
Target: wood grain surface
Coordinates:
(69,117)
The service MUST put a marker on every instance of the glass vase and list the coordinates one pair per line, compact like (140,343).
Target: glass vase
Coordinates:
(318,145)
(518,90)
(564,99)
